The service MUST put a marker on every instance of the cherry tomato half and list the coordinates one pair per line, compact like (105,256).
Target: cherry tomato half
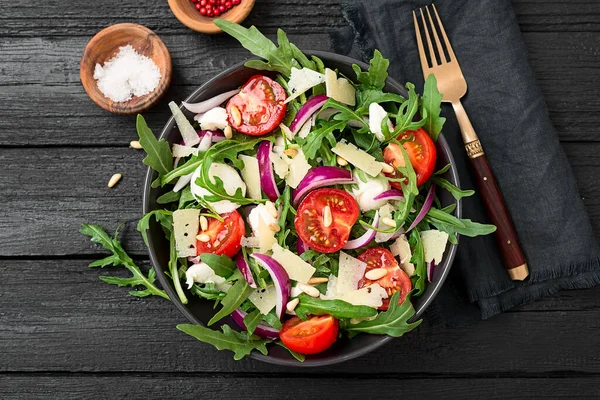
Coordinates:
(225,236)
(258,108)
(312,336)
(321,235)
(395,280)
(421,153)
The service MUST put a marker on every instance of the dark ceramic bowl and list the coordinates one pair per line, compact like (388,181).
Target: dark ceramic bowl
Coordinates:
(199,311)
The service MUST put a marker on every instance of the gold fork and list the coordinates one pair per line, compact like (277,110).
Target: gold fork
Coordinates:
(452,84)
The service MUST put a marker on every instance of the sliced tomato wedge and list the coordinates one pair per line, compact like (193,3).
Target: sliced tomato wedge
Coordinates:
(312,336)
(326,236)
(258,108)
(224,236)
(421,153)
(395,280)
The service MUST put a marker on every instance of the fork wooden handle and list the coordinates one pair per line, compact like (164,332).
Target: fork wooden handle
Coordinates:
(506,236)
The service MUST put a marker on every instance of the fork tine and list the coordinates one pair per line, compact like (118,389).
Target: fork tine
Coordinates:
(431,52)
(440,49)
(443,32)
(422,56)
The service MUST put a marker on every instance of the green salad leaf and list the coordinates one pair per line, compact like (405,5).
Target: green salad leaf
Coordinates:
(169,197)
(377,74)
(313,143)
(163,217)
(236,295)
(119,257)
(220,264)
(455,191)
(393,322)
(406,114)
(173,268)
(251,320)
(336,308)
(187,168)
(431,108)
(418,260)
(452,225)
(159,156)
(241,344)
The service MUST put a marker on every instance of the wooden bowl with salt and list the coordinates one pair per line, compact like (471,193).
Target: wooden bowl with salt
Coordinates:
(105,46)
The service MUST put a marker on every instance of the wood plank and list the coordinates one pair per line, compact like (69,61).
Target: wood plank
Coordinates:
(142,386)
(57,316)
(48,193)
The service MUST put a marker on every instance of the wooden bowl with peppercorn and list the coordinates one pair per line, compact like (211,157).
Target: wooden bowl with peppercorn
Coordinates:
(198,15)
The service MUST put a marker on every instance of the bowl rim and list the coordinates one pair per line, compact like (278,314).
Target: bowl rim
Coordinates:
(292,362)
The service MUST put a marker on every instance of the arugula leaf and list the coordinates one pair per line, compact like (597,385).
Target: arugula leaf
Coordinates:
(418,259)
(159,156)
(376,75)
(431,108)
(169,197)
(346,114)
(454,190)
(409,189)
(335,308)
(393,322)
(406,113)
(442,171)
(240,344)
(221,265)
(174,271)
(236,295)
(251,320)
(207,291)
(364,98)
(298,356)
(450,224)
(279,59)
(188,168)
(285,203)
(272,320)
(313,142)
(186,198)
(325,264)
(120,257)
(163,217)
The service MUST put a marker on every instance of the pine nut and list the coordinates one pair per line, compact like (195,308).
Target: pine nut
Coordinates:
(290,152)
(387,168)
(376,273)
(203,223)
(235,115)
(309,290)
(341,161)
(316,281)
(274,227)
(327,218)
(271,209)
(135,144)
(203,237)
(389,222)
(291,305)
(228,132)
(114,179)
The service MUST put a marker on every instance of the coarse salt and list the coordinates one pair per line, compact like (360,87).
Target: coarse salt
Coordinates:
(126,75)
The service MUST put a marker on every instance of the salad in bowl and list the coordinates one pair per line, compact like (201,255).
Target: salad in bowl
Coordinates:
(305,204)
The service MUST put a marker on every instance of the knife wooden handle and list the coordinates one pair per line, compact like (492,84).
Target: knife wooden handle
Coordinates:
(506,236)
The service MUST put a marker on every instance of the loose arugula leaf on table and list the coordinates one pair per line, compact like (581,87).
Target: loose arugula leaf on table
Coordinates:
(220,264)
(393,322)
(175,271)
(455,191)
(336,308)
(236,295)
(450,224)
(163,217)
(120,257)
(313,142)
(251,320)
(238,342)
(159,156)
(418,260)
(431,108)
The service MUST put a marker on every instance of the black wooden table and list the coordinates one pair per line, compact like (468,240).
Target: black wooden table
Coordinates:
(64,334)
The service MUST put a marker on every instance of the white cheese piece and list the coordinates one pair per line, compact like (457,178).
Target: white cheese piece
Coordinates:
(280,166)
(297,269)
(231,183)
(298,168)
(350,271)
(258,214)
(359,158)
(301,80)
(184,151)
(371,296)
(264,299)
(185,228)
(401,249)
(434,245)
(386,212)
(251,176)
(365,192)
(266,236)
(339,89)
(214,119)
(187,131)
(182,182)
(251,242)
(376,116)
(202,273)
(305,129)
(286,131)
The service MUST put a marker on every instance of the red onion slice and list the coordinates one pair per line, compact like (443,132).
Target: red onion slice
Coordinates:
(301,246)
(318,177)
(426,206)
(244,268)
(392,194)
(263,330)
(430,268)
(280,278)
(204,106)
(267,177)
(366,238)
(306,111)
(206,141)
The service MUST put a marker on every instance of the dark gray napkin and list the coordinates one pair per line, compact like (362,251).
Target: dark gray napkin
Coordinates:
(508,112)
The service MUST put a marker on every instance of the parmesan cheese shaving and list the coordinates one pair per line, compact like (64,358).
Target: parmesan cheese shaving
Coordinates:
(297,269)
(401,249)
(184,151)
(359,158)
(350,271)
(185,228)
(434,245)
(251,176)
(187,131)
(339,89)
(298,168)
(371,296)
(264,299)
(301,80)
